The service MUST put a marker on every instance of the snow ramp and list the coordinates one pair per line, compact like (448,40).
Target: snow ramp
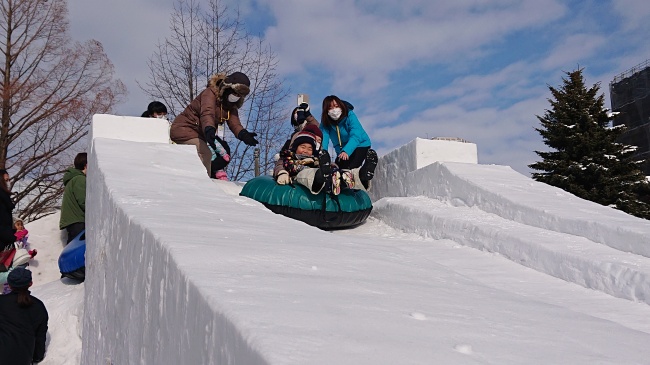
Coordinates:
(181,272)
(488,206)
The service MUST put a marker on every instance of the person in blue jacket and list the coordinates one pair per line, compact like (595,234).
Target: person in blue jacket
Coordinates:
(351,142)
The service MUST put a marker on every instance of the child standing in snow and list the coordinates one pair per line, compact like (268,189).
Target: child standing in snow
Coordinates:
(220,159)
(21,233)
(21,237)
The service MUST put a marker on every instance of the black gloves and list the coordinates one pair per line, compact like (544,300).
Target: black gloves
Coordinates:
(210,135)
(248,137)
(303,112)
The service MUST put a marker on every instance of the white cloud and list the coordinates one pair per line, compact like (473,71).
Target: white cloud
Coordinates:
(573,49)
(362,46)
(503,135)
(635,13)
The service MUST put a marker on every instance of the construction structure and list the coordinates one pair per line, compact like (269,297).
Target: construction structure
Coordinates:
(630,98)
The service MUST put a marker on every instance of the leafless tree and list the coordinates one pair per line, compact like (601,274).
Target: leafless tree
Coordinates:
(50,86)
(206,41)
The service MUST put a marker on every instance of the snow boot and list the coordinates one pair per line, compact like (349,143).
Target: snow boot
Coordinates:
(367,171)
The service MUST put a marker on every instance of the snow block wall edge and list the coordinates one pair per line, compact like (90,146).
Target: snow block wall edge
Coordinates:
(134,289)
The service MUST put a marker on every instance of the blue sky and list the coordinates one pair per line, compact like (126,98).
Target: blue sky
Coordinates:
(475,69)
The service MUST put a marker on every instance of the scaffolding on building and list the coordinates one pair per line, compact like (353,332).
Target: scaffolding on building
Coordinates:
(630,98)
(630,85)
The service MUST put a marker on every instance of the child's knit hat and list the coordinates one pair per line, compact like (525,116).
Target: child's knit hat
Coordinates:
(310,128)
(303,137)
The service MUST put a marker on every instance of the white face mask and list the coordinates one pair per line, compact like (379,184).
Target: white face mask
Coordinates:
(335,113)
(233,98)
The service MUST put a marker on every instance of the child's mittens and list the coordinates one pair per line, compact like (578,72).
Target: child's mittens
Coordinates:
(32,253)
(283,178)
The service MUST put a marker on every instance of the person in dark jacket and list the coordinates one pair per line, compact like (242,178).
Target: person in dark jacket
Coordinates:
(7,230)
(155,109)
(23,322)
(217,104)
(73,206)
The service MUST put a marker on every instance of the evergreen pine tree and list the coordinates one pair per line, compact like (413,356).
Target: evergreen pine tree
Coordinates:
(585,158)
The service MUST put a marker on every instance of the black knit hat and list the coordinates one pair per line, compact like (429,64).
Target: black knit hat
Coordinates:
(238,78)
(239,83)
(19,278)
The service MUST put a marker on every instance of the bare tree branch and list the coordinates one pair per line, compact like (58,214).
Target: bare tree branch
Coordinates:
(50,87)
(204,42)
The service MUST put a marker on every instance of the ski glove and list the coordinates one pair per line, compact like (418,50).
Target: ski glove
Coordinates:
(248,137)
(303,112)
(283,178)
(210,135)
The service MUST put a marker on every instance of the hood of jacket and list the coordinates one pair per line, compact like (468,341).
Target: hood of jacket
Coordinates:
(218,84)
(70,174)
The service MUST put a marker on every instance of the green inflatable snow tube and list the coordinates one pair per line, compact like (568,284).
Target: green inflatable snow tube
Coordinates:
(350,208)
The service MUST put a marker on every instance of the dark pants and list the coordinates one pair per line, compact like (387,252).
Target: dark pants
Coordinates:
(74,229)
(7,237)
(354,160)
(217,164)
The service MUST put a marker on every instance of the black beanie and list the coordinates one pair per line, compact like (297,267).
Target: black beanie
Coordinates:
(238,78)
(19,278)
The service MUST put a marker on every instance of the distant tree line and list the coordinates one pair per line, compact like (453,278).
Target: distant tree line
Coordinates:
(586,157)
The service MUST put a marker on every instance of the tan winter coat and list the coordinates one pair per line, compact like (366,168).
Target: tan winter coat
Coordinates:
(206,110)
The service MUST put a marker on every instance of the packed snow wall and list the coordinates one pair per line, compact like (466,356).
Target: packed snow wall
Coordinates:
(393,172)
(141,306)
(417,169)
